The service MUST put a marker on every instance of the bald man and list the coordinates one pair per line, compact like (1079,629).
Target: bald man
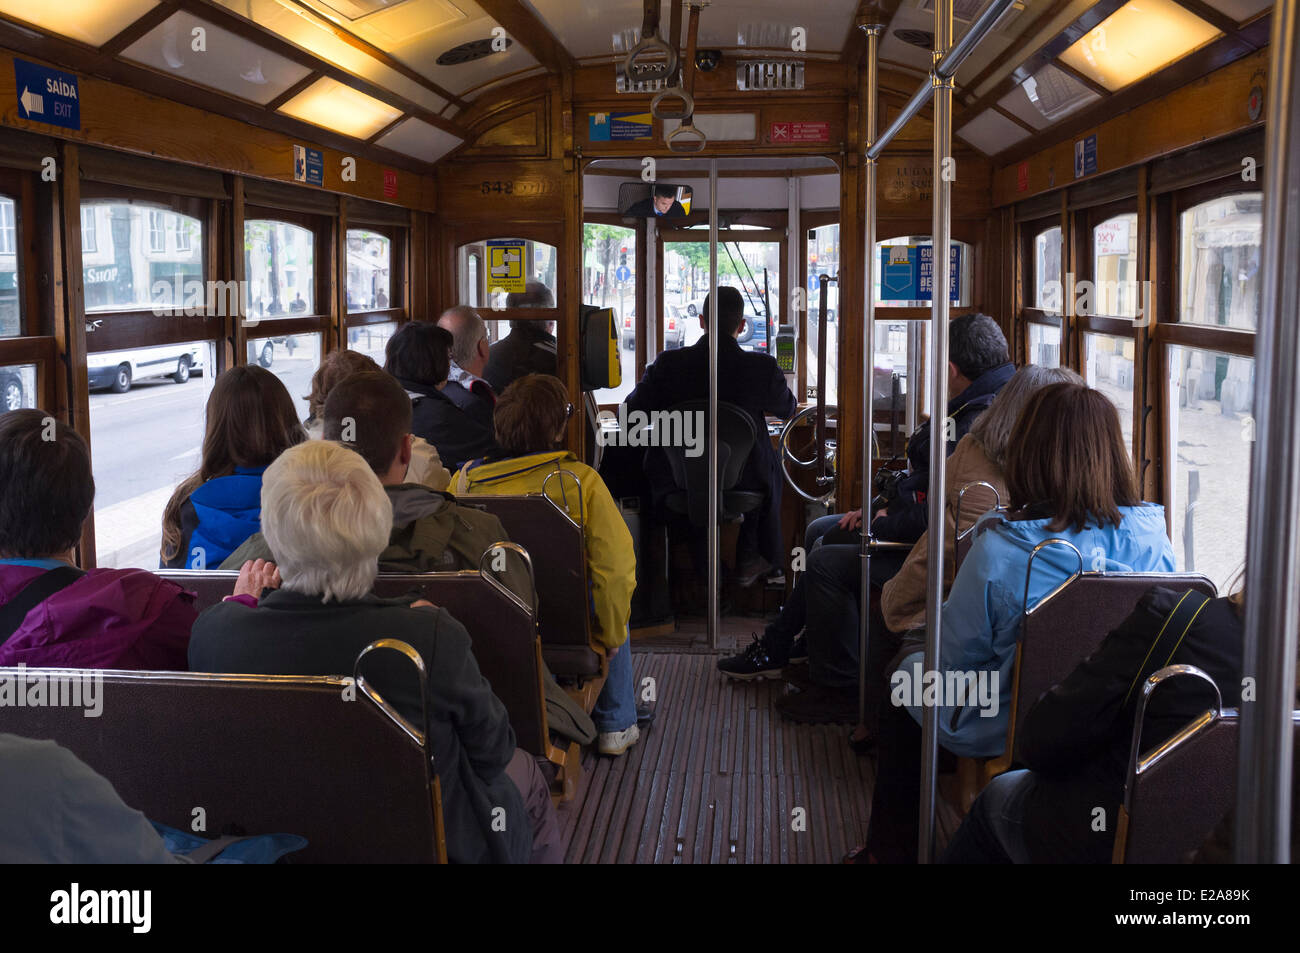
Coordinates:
(469,352)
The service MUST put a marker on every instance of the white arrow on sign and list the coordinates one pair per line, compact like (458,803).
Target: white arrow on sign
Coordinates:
(31,102)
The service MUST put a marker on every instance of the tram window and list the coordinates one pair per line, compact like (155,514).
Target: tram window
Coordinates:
(824,259)
(965,270)
(371,339)
(370,258)
(606,251)
(292,358)
(1114,267)
(474,270)
(1219,261)
(130,266)
(17,387)
(1211,428)
(280,267)
(1044,345)
(143,443)
(10,307)
(1110,370)
(1047,270)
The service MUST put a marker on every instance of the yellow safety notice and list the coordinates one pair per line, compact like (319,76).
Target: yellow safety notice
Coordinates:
(506,267)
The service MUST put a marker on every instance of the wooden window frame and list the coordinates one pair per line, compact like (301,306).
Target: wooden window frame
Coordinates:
(398,285)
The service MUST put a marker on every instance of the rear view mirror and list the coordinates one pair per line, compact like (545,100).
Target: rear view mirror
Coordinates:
(654,200)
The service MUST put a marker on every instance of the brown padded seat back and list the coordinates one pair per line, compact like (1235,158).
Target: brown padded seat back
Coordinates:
(1068,626)
(560,568)
(504,641)
(501,631)
(262,754)
(1179,799)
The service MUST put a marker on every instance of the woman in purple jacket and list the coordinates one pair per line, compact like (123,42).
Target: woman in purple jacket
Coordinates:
(51,613)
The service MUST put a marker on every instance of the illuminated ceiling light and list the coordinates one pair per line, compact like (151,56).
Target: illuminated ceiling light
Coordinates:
(91,21)
(1140,38)
(329,103)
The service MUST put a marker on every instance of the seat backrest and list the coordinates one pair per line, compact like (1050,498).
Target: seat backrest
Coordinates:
(736,432)
(320,757)
(544,528)
(504,639)
(1069,624)
(501,629)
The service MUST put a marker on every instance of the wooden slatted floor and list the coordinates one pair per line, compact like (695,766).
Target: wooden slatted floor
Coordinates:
(718,778)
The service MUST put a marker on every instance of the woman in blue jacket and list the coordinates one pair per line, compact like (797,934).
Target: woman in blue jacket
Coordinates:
(250,420)
(1068,477)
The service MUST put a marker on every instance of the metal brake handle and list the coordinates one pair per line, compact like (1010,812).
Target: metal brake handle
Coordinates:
(686,138)
(650,43)
(684,111)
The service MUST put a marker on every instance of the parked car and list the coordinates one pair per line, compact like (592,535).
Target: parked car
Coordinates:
(674,327)
(118,370)
(266,356)
(627,334)
(753,333)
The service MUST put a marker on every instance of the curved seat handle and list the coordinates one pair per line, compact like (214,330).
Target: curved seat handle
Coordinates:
(961,494)
(1029,568)
(564,507)
(650,44)
(397,645)
(491,551)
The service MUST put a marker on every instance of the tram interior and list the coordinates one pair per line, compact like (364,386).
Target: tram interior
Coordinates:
(587,174)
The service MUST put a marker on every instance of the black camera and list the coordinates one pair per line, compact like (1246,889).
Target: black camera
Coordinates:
(706,61)
(885,485)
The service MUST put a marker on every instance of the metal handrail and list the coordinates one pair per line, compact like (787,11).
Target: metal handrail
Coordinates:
(397,645)
(650,43)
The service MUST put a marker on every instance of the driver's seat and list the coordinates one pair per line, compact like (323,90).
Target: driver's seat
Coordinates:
(736,439)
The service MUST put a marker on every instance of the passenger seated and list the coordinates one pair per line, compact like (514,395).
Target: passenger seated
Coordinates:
(251,419)
(327,519)
(531,419)
(370,413)
(54,809)
(751,381)
(1068,476)
(832,632)
(529,348)
(1075,741)
(425,467)
(469,356)
(978,367)
(460,428)
(51,613)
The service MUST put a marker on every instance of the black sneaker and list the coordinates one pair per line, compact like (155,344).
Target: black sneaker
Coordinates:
(799,651)
(754,662)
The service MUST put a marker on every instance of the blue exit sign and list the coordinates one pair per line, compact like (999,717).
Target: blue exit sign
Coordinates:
(47,95)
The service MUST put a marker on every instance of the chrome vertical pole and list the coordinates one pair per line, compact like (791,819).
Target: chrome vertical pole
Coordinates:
(941,233)
(1272,613)
(712,430)
(868,363)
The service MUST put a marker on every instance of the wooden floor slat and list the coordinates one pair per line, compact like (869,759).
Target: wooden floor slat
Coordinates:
(717,779)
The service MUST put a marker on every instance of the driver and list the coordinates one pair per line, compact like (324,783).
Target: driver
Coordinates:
(752,382)
(662,203)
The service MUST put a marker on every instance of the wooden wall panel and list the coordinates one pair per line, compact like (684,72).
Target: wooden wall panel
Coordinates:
(1210,108)
(131,121)
(536,191)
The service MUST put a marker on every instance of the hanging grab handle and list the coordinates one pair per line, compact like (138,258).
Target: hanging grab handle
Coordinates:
(650,45)
(686,138)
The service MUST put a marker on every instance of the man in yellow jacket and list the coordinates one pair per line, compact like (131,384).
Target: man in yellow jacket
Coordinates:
(530,420)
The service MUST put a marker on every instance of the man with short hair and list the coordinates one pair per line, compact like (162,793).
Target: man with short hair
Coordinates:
(752,381)
(370,412)
(529,348)
(469,354)
(661,203)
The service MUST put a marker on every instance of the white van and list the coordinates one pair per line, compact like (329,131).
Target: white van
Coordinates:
(117,370)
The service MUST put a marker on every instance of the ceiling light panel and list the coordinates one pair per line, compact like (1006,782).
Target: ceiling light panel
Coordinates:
(1140,38)
(990,132)
(89,21)
(330,104)
(418,139)
(310,32)
(228,63)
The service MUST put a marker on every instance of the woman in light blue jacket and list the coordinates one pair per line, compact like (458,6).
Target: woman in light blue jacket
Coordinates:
(1068,477)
